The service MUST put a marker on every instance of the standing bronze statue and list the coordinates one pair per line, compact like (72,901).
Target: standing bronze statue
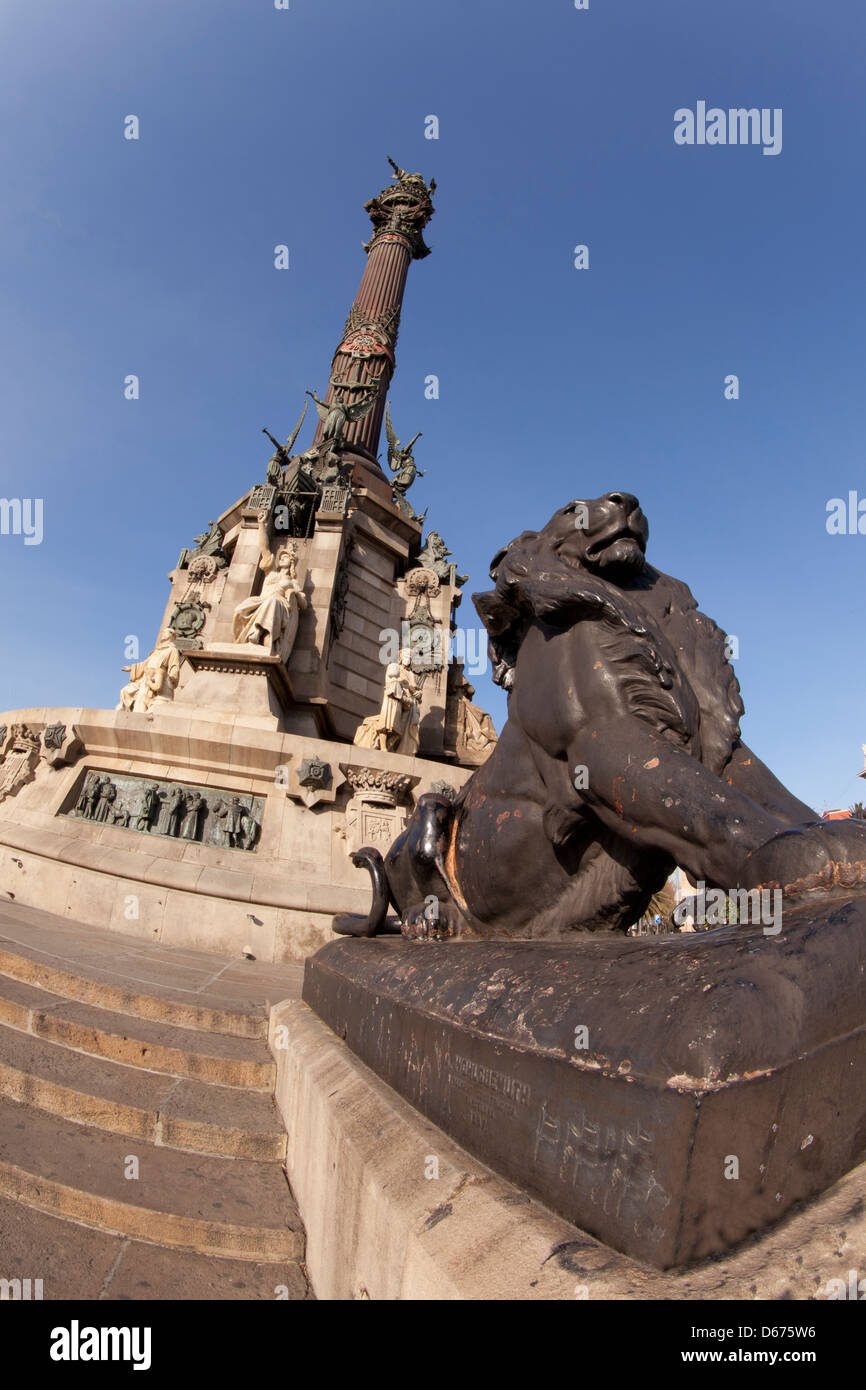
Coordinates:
(336,415)
(282,456)
(621,758)
(402,464)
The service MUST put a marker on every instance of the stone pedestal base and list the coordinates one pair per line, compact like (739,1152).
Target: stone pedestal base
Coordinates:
(399,1211)
(240,679)
(671,1097)
(174,880)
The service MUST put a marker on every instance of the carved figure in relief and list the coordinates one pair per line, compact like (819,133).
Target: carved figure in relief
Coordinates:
(86,803)
(145,806)
(227,822)
(248,830)
(104,806)
(170,811)
(270,619)
(194,804)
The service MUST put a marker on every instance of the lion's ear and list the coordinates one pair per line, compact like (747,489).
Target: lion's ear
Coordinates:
(495,612)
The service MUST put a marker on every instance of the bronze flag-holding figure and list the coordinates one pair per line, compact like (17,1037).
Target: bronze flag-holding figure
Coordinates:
(402,464)
(283,455)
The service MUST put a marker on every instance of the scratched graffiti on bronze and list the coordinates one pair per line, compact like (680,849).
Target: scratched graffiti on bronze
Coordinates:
(497,1081)
(611,1165)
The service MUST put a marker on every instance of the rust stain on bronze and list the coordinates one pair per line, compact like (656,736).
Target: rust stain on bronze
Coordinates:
(451,867)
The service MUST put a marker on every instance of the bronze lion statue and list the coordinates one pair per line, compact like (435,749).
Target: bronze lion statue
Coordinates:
(620,759)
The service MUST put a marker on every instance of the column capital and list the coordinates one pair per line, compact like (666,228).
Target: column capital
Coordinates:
(401,211)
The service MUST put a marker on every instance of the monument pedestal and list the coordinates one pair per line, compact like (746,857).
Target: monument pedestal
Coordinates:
(240,679)
(670,1096)
(399,1211)
(196,878)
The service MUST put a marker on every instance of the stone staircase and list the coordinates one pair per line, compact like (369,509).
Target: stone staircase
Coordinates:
(141,1150)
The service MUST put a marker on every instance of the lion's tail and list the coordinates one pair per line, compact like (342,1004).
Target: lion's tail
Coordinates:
(352,924)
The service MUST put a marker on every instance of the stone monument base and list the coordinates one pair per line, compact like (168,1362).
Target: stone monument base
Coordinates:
(671,1096)
(229,679)
(397,1210)
(181,878)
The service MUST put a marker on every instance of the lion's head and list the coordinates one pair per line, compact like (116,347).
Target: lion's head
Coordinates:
(605,535)
(589,563)
(586,551)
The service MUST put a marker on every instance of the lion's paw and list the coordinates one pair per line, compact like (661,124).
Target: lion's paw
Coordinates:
(826,857)
(430,920)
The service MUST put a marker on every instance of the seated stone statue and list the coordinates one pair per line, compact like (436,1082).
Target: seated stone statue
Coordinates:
(395,728)
(621,758)
(473,730)
(154,679)
(270,619)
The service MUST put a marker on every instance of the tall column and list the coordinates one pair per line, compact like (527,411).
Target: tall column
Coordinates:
(365,355)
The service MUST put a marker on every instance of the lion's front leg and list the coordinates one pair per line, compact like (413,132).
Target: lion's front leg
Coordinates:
(653,794)
(417,875)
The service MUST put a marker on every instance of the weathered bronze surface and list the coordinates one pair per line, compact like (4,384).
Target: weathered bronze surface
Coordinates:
(621,757)
(703,1056)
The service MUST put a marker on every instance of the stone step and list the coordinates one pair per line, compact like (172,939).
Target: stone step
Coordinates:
(81,1263)
(164,984)
(240,1210)
(159,1108)
(156,1047)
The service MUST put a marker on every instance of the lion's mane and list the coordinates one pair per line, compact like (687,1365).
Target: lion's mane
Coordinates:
(670,656)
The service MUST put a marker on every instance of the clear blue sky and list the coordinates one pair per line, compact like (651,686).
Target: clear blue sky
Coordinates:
(261,126)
